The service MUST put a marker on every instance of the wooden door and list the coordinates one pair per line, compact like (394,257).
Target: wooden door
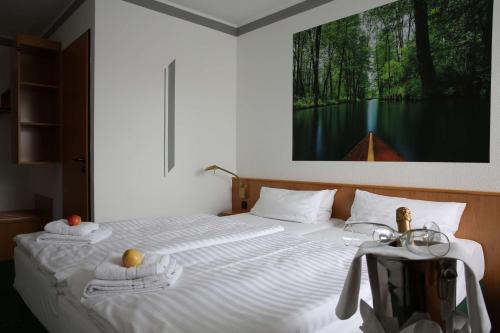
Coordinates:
(75,137)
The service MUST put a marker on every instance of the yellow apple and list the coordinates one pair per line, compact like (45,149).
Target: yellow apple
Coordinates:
(132,258)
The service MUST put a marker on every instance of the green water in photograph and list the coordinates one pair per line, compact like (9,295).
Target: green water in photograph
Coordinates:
(440,130)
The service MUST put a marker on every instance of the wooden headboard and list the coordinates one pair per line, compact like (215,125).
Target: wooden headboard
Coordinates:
(480,221)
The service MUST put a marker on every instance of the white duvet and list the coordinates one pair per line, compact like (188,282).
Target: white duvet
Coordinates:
(237,277)
(163,235)
(274,283)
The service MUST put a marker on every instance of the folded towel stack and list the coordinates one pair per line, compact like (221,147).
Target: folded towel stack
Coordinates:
(156,273)
(152,264)
(62,227)
(60,232)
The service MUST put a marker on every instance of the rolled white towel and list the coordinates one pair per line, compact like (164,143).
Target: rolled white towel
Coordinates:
(62,227)
(152,283)
(94,237)
(111,268)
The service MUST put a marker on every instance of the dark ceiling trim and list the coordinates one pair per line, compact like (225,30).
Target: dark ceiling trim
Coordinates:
(191,17)
(216,25)
(280,15)
(6,41)
(184,15)
(64,16)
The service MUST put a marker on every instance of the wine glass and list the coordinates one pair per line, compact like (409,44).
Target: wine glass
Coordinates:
(426,241)
(371,234)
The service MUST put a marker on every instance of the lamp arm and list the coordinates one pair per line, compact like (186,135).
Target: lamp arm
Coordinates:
(231,173)
(241,187)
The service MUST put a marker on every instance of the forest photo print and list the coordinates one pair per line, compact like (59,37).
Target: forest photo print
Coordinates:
(407,81)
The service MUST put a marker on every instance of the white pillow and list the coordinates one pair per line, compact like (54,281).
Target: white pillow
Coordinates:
(288,205)
(370,207)
(325,208)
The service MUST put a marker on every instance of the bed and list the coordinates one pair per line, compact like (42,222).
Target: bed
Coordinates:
(332,231)
(47,296)
(479,220)
(58,306)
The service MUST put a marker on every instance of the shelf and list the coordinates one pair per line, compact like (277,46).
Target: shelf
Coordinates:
(35,44)
(39,85)
(31,123)
(38,105)
(38,162)
(17,216)
(37,101)
(39,144)
(39,66)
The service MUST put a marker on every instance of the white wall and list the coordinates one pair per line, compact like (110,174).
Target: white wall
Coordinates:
(132,47)
(76,25)
(264,115)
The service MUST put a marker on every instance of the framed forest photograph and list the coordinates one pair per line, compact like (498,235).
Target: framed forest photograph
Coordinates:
(407,81)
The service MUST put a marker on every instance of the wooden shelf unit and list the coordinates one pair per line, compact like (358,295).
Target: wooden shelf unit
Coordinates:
(17,222)
(33,123)
(36,100)
(13,223)
(39,85)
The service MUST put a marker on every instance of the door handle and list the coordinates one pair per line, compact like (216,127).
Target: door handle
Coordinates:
(81,160)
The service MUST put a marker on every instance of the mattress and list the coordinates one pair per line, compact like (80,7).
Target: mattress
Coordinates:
(294,228)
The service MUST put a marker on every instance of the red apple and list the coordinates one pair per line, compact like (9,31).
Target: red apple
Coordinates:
(74,220)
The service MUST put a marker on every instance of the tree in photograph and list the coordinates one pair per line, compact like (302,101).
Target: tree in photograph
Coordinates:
(342,57)
(315,35)
(406,50)
(424,56)
(298,53)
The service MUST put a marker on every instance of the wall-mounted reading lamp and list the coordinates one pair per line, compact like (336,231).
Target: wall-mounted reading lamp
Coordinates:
(242,188)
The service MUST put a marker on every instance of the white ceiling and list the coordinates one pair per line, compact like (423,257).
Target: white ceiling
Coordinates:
(233,12)
(29,16)
(36,16)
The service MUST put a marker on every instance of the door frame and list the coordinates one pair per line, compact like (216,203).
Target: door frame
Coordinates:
(89,129)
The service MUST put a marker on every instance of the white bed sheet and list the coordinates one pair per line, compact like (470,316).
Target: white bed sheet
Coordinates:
(37,289)
(77,320)
(474,249)
(164,235)
(295,228)
(256,285)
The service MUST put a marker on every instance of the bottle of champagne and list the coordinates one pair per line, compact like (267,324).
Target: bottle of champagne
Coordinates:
(403,219)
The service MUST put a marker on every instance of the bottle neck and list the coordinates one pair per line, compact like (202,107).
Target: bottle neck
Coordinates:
(404,225)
